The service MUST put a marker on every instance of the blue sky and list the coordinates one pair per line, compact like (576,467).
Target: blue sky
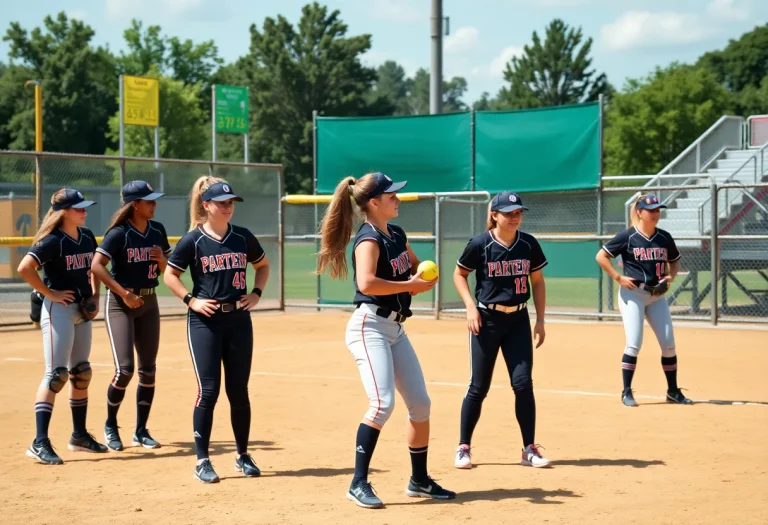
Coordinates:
(630,37)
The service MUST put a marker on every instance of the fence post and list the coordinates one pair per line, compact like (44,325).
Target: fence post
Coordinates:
(714,252)
(438,233)
(122,172)
(600,210)
(314,192)
(38,192)
(472,182)
(281,239)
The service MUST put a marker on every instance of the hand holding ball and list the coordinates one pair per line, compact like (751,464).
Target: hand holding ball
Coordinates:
(429,270)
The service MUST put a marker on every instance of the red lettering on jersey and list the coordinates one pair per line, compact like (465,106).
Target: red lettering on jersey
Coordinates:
(78,261)
(401,263)
(204,261)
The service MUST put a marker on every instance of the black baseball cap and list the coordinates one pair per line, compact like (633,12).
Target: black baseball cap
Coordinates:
(138,190)
(385,185)
(72,199)
(507,201)
(649,202)
(221,191)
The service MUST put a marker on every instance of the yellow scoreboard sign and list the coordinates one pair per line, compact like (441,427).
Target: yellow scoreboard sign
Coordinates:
(141,101)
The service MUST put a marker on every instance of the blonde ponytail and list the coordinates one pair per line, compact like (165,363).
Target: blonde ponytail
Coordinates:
(491,222)
(52,219)
(197,213)
(337,223)
(634,217)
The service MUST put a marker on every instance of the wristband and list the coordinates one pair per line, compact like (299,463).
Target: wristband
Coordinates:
(257,291)
(187,298)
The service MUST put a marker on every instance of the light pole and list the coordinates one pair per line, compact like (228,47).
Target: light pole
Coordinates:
(38,146)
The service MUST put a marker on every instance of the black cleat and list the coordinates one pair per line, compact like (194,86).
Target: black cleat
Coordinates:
(112,437)
(363,496)
(141,438)
(205,473)
(244,463)
(42,452)
(86,443)
(428,489)
(676,396)
(628,398)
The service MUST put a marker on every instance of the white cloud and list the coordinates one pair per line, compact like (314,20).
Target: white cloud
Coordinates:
(462,40)
(401,11)
(553,4)
(182,6)
(497,66)
(123,9)
(727,10)
(643,29)
(77,14)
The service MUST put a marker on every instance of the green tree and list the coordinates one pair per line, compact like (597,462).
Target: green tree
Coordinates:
(292,71)
(418,94)
(16,108)
(743,62)
(392,85)
(753,100)
(655,118)
(180,124)
(553,73)
(78,82)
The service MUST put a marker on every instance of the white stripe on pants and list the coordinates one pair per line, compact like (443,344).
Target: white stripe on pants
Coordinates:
(386,361)
(637,305)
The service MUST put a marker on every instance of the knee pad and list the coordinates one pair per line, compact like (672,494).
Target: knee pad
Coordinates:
(58,378)
(81,375)
(123,376)
(631,351)
(147,376)
(668,352)
(381,409)
(419,413)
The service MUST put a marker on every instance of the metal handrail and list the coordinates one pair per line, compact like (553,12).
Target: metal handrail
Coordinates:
(730,177)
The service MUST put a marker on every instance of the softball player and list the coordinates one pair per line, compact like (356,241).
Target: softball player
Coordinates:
(64,248)
(137,247)
(219,326)
(383,264)
(651,262)
(509,266)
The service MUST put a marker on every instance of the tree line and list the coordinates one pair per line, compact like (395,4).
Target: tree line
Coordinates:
(292,70)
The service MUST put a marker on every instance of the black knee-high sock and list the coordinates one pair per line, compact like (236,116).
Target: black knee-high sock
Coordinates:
(202,422)
(419,464)
(365,444)
(144,397)
(628,365)
(669,364)
(43,412)
(525,410)
(114,398)
(470,415)
(241,426)
(79,411)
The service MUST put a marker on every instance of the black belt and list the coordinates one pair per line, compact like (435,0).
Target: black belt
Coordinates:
(142,292)
(389,314)
(505,309)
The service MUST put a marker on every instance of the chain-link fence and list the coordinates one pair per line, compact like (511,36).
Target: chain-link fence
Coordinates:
(100,178)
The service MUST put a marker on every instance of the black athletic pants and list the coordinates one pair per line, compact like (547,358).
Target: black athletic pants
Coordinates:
(511,332)
(130,328)
(223,338)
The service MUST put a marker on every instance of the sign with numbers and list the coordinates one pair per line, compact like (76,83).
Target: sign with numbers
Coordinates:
(231,109)
(141,101)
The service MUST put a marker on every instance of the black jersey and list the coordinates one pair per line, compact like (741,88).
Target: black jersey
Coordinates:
(129,251)
(645,260)
(501,272)
(394,264)
(218,268)
(66,261)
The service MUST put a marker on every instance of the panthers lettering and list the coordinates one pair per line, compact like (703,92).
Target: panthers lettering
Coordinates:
(218,267)
(645,259)
(502,272)
(130,252)
(66,261)
(78,261)
(394,264)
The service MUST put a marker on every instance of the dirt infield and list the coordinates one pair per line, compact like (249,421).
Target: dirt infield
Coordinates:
(655,464)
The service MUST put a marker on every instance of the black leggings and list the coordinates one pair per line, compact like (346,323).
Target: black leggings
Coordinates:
(511,332)
(223,338)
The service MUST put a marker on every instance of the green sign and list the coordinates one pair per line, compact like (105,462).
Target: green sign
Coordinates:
(231,109)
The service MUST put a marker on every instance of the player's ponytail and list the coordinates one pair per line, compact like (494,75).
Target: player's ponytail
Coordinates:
(197,213)
(337,223)
(52,219)
(491,222)
(124,213)
(634,216)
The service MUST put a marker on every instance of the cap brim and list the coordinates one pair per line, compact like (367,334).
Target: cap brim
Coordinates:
(512,207)
(226,197)
(653,206)
(151,197)
(83,204)
(396,186)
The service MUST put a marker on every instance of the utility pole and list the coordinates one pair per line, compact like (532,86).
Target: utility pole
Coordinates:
(436,69)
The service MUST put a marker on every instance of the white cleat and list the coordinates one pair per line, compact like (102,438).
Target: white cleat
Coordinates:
(533,458)
(463,458)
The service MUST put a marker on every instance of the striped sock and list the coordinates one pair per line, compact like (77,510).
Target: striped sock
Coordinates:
(79,409)
(419,464)
(115,396)
(628,365)
(669,365)
(43,413)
